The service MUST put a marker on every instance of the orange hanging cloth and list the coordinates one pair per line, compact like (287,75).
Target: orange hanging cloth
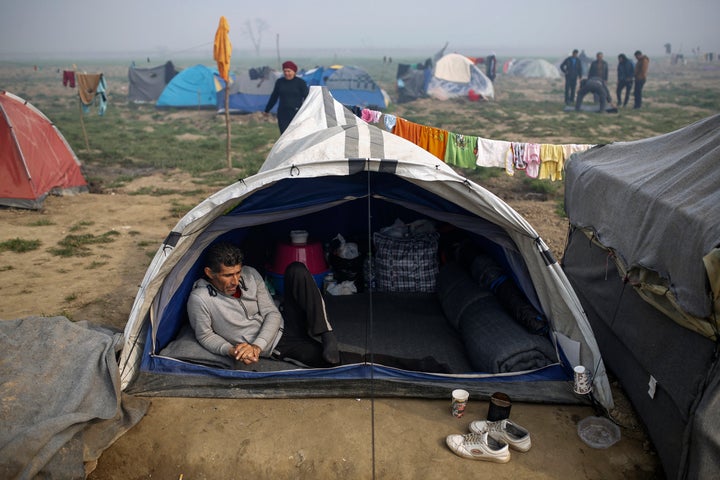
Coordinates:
(222,49)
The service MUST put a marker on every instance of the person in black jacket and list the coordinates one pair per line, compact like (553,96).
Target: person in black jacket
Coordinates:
(572,69)
(625,78)
(599,68)
(291,91)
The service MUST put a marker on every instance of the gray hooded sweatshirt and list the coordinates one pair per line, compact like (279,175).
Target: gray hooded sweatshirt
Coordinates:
(222,321)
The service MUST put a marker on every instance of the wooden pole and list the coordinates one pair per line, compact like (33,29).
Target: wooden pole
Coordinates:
(82,124)
(227,122)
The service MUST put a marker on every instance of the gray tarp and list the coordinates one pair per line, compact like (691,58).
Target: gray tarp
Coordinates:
(60,399)
(655,203)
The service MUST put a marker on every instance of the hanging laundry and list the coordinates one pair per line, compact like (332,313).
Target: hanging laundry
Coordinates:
(101,96)
(87,86)
(389,121)
(532,160)
(461,150)
(518,151)
(437,140)
(552,160)
(69,78)
(92,88)
(492,153)
(408,130)
(543,161)
(370,116)
(570,148)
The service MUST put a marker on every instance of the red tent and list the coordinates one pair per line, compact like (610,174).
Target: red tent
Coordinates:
(35,158)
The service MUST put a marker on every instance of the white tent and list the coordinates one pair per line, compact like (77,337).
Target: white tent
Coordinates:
(533,68)
(455,75)
(332,172)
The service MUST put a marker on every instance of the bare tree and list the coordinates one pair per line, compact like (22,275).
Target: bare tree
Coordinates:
(254,30)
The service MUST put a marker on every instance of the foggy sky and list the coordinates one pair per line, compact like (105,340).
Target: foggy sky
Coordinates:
(174,28)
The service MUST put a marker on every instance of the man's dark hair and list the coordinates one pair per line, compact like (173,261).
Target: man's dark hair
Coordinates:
(638,52)
(575,51)
(223,253)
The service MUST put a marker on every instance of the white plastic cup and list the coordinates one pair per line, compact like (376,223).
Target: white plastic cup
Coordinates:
(582,384)
(459,402)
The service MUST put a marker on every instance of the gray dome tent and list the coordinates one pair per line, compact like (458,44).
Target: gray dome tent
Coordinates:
(330,173)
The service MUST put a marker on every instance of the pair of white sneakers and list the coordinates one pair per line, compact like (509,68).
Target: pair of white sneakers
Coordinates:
(490,441)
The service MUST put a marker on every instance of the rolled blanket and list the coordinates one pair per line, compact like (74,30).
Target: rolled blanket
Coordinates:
(457,291)
(495,343)
(491,276)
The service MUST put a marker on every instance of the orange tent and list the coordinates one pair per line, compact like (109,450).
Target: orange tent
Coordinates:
(35,158)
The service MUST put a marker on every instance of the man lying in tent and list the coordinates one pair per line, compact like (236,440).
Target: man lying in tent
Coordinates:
(233,314)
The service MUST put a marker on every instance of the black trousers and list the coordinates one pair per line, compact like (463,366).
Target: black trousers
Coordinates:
(570,84)
(639,84)
(305,317)
(624,85)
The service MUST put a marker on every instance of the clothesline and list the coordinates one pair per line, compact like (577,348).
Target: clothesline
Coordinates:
(543,161)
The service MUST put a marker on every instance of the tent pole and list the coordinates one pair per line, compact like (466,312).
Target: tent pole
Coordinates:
(277,47)
(82,124)
(227,123)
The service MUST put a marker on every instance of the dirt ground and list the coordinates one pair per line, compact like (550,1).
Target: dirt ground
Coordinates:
(350,438)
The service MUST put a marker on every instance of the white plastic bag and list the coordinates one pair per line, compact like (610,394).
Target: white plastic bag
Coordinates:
(343,288)
(346,250)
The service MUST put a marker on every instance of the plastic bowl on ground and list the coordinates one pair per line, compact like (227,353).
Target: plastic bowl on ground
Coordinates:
(598,432)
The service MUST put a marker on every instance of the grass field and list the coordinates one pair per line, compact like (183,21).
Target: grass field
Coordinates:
(137,138)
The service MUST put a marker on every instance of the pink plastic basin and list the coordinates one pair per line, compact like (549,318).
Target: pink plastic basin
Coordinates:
(311,254)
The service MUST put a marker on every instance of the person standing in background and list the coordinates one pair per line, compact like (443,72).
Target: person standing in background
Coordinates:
(491,65)
(291,91)
(572,69)
(641,70)
(599,68)
(625,77)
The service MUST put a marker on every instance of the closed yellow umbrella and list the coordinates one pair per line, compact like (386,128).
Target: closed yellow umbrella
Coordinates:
(222,51)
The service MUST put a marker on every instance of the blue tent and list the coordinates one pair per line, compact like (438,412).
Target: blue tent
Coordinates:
(349,85)
(195,86)
(250,91)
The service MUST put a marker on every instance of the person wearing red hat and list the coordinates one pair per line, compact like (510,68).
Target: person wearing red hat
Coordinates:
(291,91)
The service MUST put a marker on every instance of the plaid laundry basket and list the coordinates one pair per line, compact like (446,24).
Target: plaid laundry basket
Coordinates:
(406,264)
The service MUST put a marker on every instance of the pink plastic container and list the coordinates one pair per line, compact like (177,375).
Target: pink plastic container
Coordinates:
(311,254)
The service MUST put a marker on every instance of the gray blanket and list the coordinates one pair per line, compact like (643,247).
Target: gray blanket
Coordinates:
(494,341)
(61,404)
